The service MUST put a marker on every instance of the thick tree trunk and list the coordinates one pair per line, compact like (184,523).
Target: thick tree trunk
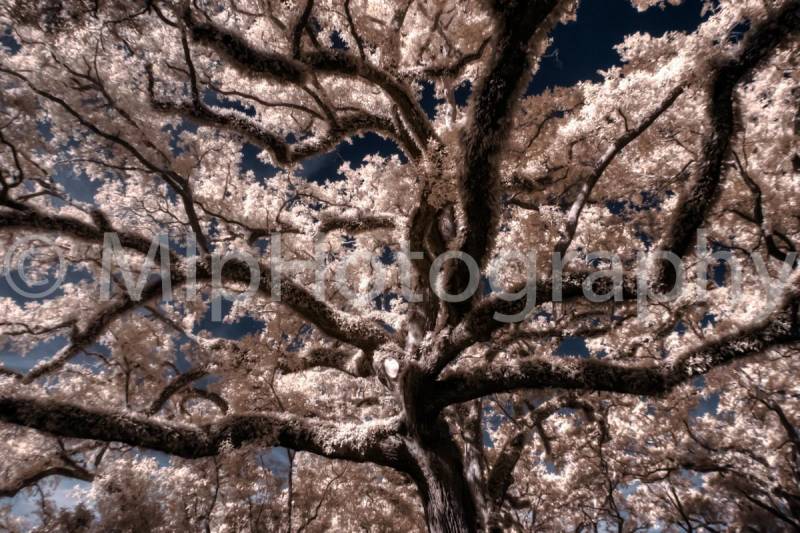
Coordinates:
(475,467)
(438,472)
(445,496)
(435,462)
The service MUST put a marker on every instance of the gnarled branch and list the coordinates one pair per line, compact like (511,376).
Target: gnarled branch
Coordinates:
(599,375)
(487,130)
(370,442)
(696,200)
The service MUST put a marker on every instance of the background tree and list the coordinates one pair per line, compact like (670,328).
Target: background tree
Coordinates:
(202,119)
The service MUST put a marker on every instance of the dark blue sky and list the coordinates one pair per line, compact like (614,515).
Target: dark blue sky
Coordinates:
(584,46)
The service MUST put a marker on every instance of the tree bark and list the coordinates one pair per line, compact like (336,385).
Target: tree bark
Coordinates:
(437,468)
(433,459)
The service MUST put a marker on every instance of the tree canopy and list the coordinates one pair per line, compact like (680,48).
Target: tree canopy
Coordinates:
(570,309)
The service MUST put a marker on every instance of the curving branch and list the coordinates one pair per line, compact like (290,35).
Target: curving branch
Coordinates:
(283,153)
(353,30)
(300,27)
(365,442)
(352,329)
(455,68)
(573,215)
(341,63)
(213,397)
(697,199)
(178,383)
(487,131)
(35,220)
(769,235)
(73,471)
(777,329)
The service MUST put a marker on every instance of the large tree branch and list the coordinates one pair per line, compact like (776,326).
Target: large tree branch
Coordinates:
(242,55)
(295,71)
(696,200)
(338,324)
(34,220)
(285,154)
(777,329)
(355,365)
(362,442)
(342,326)
(487,130)
(354,224)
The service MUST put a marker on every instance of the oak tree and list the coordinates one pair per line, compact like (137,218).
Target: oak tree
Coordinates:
(398,404)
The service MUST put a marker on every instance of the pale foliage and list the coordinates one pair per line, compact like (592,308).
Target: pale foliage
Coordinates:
(90,139)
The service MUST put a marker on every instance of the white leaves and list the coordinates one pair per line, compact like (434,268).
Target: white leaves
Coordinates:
(555,140)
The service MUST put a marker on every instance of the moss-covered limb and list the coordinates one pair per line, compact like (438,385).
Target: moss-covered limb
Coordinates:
(367,442)
(610,376)
(701,192)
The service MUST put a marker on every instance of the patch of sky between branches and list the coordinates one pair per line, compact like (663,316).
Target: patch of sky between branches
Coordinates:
(230,330)
(62,493)
(73,274)
(79,187)
(709,402)
(213,98)
(13,360)
(325,167)
(582,48)
(623,208)
(8,41)
(175,134)
(251,162)
(462,93)
(337,42)
(429,101)
(572,345)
